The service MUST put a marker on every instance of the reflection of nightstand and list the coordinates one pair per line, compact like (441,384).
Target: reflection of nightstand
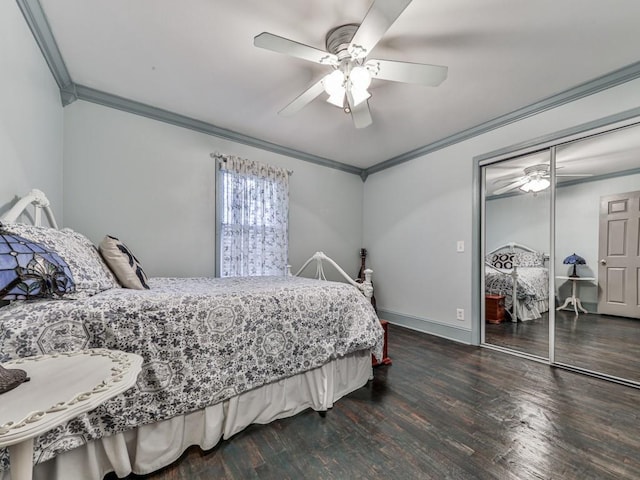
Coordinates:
(494,308)
(574,299)
(62,386)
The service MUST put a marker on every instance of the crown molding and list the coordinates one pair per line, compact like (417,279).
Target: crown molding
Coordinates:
(69,92)
(37,22)
(108,100)
(612,79)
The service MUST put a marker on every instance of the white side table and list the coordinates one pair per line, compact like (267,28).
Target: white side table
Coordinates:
(574,300)
(62,386)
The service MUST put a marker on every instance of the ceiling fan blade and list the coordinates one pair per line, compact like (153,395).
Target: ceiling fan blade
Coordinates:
(511,186)
(303,99)
(421,73)
(278,44)
(360,114)
(505,180)
(376,22)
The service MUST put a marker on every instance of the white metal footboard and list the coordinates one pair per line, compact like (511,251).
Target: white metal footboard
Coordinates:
(514,292)
(365,287)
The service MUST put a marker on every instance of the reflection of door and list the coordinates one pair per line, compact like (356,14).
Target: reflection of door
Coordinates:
(619,251)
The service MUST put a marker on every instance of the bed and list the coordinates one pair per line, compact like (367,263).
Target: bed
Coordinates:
(519,273)
(219,354)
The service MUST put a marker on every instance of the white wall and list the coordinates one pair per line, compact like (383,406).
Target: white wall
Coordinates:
(31,119)
(519,218)
(415,213)
(152,185)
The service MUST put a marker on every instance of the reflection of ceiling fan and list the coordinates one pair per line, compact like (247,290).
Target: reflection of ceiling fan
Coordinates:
(535,179)
(347,47)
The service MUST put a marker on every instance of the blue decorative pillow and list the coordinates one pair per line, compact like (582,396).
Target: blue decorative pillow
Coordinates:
(28,270)
(123,263)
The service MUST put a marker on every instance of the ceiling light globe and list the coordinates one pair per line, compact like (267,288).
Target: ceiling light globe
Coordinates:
(337,99)
(334,83)
(359,96)
(535,185)
(360,78)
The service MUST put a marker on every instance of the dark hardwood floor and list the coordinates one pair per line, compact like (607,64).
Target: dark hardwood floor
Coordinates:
(601,343)
(442,411)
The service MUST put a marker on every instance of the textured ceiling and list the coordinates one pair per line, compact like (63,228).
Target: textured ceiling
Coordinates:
(196,58)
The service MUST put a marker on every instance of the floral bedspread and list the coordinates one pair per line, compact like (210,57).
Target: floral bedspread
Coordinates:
(203,341)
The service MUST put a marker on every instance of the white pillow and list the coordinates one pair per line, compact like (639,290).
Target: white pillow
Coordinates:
(529,259)
(123,263)
(90,273)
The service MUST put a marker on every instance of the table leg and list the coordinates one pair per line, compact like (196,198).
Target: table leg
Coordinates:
(579,305)
(564,305)
(21,460)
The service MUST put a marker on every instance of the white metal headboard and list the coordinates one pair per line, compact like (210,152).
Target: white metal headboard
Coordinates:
(512,247)
(39,201)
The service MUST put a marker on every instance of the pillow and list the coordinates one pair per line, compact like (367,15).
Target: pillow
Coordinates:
(529,259)
(90,273)
(123,263)
(28,270)
(502,260)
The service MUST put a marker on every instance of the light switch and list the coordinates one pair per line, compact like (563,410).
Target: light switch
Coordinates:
(460,246)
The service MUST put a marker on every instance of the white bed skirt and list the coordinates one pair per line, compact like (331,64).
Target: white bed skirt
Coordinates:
(151,447)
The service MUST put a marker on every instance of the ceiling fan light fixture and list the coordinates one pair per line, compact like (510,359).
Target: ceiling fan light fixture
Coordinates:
(337,99)
(360,78)
(359,96)
(359,81)
(334,85)
(536,185)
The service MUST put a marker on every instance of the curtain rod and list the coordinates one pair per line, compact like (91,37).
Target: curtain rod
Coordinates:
(221,157)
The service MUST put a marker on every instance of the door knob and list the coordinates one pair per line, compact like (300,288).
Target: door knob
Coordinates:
(603,262)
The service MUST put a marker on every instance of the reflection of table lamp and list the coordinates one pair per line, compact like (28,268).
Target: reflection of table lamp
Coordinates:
(574,260)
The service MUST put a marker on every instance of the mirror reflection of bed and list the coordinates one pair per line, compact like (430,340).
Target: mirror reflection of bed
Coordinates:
(518,277)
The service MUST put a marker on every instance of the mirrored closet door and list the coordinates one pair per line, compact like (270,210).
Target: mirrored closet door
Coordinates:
(565,219)
(597,260)
(516,253)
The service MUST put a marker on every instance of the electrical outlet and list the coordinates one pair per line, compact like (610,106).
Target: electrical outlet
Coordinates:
(460,313)
(460,246)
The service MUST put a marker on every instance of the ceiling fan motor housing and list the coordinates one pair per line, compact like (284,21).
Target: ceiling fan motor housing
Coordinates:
(339,38)
(542,169)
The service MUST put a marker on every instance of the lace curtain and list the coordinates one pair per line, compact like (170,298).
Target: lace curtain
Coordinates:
(254,214)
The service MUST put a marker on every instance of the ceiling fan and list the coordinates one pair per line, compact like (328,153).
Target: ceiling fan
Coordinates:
(535,179)
(347,48)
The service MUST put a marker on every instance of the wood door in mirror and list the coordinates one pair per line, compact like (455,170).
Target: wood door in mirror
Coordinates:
(360,279)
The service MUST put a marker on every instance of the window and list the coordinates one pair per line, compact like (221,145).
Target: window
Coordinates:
(253,213)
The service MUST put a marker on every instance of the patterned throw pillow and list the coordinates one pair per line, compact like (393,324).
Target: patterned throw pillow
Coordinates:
(529,259)
(123,263)
(89,272)
(502,260)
